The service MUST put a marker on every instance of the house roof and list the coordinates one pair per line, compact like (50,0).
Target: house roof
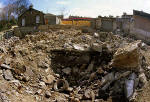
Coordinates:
(141,13)
(29,10)
(49,14)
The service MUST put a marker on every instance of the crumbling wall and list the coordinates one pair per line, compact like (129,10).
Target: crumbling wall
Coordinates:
(126,25)
(57,27)
(22,31)
(1,37)
(104,24)
(140,29)
(140,34)
(107,25)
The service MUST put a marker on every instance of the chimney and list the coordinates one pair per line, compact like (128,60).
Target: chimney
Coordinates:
(31,6)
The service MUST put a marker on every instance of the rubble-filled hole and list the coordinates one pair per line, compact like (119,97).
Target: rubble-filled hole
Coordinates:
(60,85)
(86,69)
(72,65)
(82,68)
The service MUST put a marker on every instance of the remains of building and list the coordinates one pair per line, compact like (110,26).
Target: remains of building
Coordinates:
(66,65)
(136,25)
(124,23)
(140,27)
(107,24)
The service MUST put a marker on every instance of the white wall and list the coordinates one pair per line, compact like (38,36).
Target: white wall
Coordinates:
(140,34)
(58,20)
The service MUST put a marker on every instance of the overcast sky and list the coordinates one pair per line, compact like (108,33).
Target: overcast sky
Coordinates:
(91,8)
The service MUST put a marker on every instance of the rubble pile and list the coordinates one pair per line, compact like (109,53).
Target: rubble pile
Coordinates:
(71,66)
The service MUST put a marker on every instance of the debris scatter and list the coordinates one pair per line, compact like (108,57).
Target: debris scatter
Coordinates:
(68,65)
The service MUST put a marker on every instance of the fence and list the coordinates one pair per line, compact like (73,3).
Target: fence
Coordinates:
(76,23)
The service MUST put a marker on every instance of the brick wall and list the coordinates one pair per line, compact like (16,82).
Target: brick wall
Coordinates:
(140,29)
(142,23)
(30,18)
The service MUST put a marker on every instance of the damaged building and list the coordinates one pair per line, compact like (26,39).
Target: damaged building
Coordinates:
(136,25)
(124,22)
(107,24)
(140,27)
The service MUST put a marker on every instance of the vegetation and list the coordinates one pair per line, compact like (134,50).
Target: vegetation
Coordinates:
(11,11)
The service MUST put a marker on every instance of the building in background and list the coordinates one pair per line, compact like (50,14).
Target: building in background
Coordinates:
(30,18)
(107,24)
(124,22)
(34,18)
(52,19)
(136,25)
(140,27)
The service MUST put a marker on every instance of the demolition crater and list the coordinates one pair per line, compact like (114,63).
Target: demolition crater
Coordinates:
(76,66)
(90,71)
(84,69)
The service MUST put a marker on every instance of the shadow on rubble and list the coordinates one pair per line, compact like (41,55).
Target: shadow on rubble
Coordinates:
(80,67)
(75,66)
(90,70)
(115,97)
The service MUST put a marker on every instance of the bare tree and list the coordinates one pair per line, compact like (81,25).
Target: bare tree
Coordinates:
(63,11)
(3,15)
(21,6)
(17,6)
(13,8)
(8,10)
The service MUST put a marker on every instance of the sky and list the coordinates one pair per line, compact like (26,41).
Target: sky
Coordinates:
(1,5)
(90,8)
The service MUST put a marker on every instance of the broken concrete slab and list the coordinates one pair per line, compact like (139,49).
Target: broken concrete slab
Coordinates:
(5,66)
(8,75)
(96,47)
(108,78)
(43,64)
(49,79)
(81,47)
(130,86)
(142,78)
(89,94)
(48,94)
(128,57)
(90,67)
(67,71)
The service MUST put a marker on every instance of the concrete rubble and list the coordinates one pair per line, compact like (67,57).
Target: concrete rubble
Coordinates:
(128,57)
(71,66)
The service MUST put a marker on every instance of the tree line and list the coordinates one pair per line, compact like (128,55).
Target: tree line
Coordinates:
(10,12)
